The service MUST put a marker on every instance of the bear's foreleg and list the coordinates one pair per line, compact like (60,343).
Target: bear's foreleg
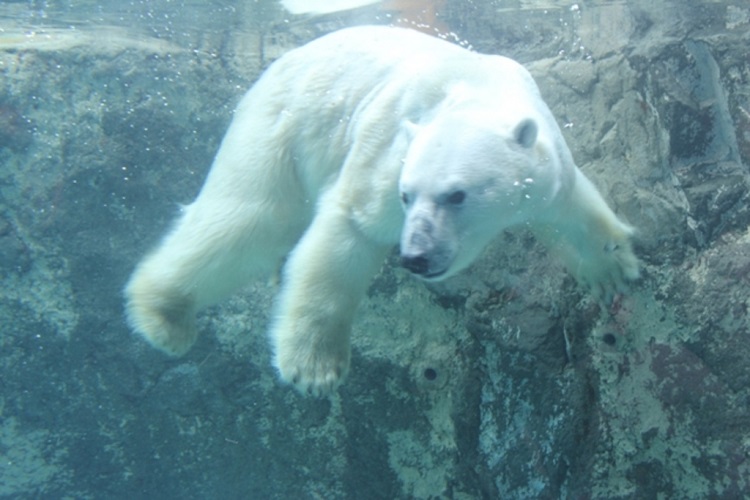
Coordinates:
(594,243)
(324,280)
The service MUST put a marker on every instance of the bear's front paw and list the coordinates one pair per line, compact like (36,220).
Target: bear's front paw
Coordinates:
(314,365)
(610,270)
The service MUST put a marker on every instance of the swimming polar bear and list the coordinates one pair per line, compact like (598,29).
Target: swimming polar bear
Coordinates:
(358,141)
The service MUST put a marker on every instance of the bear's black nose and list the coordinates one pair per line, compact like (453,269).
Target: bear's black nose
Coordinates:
(418,264)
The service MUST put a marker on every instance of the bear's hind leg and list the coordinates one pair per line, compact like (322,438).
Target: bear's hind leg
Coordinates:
(209,254)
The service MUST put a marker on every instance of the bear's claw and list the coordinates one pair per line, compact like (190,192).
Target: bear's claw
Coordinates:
(318,375)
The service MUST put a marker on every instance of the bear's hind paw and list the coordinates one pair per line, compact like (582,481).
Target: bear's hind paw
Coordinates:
(171,330)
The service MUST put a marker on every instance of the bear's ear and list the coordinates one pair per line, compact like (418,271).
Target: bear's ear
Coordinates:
(525,133)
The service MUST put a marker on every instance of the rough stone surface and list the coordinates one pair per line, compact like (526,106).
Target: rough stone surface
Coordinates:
(505,382)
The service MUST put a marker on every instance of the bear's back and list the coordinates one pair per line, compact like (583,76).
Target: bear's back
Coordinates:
(359,86)
(347,68)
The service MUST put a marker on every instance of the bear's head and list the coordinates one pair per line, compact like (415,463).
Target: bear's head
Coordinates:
(469,174)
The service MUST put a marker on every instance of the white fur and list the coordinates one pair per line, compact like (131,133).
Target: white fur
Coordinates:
(315,163)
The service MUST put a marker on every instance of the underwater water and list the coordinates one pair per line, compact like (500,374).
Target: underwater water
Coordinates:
(507,381)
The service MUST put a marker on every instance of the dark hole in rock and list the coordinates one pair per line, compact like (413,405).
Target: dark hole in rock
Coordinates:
(609,338)
(430,373)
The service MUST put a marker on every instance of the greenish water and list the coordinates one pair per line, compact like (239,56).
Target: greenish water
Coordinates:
(508,381)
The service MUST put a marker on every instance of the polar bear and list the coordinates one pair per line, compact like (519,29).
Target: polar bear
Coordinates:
(358,141)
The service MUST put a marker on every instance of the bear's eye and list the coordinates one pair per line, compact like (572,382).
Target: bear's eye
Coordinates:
(457,197)
(404,198)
